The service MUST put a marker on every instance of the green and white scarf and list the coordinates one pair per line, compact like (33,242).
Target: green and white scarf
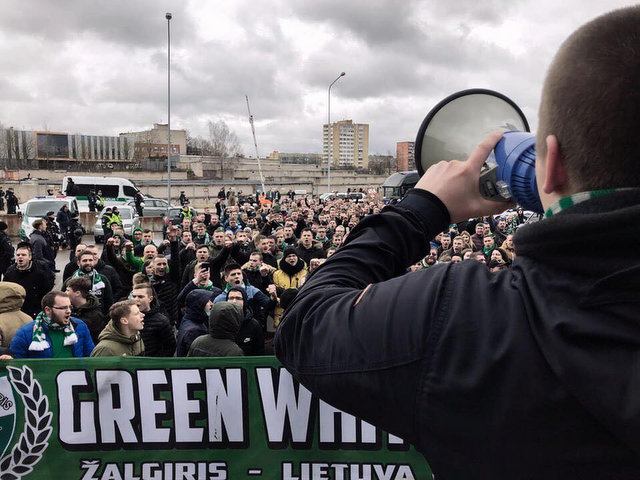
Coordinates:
(576,198)
(94,276)
(39,339)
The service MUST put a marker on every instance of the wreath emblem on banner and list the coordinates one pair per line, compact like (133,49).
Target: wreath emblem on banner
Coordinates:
(34,440)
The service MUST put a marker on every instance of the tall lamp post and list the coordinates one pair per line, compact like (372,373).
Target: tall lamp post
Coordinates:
(329,131)
(168,17)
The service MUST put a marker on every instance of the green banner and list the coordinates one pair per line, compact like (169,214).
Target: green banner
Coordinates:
(125,418)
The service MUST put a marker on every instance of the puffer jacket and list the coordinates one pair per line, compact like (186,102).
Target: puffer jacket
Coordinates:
(12,297)
(194,323)
(224,324)
(286,277)
(115,344)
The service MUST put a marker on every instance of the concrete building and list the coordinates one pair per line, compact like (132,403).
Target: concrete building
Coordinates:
(153,143)
(346,144)
(405,156)
(297,158)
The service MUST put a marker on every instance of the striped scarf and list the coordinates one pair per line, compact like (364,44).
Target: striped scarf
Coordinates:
(576,198)
(94,276)
(39,339)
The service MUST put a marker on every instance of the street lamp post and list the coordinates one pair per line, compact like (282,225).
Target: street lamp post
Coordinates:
(168,17)
(329,131)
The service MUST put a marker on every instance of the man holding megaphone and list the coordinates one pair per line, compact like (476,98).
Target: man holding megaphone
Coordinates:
(550,388)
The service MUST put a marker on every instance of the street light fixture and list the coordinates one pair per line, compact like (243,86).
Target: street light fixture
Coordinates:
(168,16)
(329,131)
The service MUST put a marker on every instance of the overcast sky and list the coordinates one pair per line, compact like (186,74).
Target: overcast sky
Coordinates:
(100,68)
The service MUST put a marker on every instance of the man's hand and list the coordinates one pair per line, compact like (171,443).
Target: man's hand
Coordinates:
(172,233)
(264,270)
(128,246)
(271,290)
(191,246)
(227,242)
(111,241)
(456,184)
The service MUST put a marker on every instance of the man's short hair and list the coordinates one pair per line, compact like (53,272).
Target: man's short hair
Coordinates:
(84,252)
(231,267)
(119,310)
(141,278)
(146,230)
(24,245)
(49,300)
(147,289)
(36,223)
(80,285)
(590,101)
(306,230)
(257,254)
(200,247)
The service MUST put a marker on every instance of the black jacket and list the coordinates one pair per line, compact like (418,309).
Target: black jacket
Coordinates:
(167,287)
(526,373)
(6,253)
(37,281)
(91,314)
(158,335)
(250,337)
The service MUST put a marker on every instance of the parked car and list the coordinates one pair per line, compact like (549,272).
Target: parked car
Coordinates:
(153,207)
(130,221)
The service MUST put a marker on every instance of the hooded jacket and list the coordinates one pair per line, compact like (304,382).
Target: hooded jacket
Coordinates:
(286,277)
(11,318)
(194,322)
(549,387)
(91,314)
(115,344)
(250,337)
(224,324)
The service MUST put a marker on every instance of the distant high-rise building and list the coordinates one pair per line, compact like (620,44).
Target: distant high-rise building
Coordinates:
(346,144)
(404,154)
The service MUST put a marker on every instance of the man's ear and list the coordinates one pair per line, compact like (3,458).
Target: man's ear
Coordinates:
(556,179)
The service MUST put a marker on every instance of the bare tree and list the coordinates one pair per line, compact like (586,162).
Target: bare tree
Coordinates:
(224,142)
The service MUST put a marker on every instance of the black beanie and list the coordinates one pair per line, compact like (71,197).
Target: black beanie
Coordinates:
(289,251)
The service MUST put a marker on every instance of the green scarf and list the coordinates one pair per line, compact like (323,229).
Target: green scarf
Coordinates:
(576,198)
(208,286)
(487,251)
(39,339)
(94,276)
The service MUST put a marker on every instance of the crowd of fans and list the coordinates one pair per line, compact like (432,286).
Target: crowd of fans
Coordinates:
(215,285)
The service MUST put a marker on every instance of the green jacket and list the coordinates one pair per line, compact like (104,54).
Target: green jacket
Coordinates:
(112,343)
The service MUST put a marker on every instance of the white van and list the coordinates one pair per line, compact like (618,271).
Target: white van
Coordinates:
(39,206)
(115,190)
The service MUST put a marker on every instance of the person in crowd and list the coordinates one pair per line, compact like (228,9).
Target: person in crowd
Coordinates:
(258,273)
(477,238)
(201,281)
(158,334)
(121,337)
(183,199)
(41,249)
(1,198)
(489,245)
(198,304)
(71,189)
(290,275)
(139,203)
(100,284)
(6,249)
(307,249)
(12,202)
(264,247)
(54,333)
(75,232)
(201,237)
(224,324)
(12,318)
(53,234)
(261,304)
(92,199)
(250,337)
(86,306)
(63,217)
(36,278)
(509,247)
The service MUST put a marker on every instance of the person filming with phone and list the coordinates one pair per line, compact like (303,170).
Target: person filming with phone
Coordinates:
(550,388)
